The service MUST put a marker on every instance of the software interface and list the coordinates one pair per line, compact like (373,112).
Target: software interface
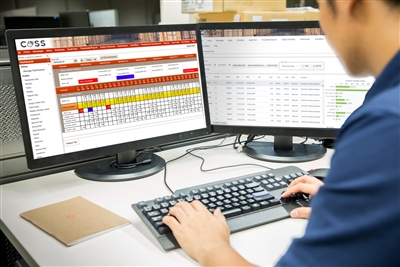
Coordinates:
(278,78)
(84,92)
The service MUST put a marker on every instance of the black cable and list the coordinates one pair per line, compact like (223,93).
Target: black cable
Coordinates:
(237,140)
(165,170)
(305,140)
(250,138)
(189,151)
(225,167)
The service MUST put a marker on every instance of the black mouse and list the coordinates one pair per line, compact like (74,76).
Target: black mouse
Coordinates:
(319,173)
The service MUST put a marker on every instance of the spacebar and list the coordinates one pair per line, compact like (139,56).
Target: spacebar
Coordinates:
(260,217)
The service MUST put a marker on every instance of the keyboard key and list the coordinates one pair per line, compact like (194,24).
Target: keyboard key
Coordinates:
(227,185)
(164,205)
(251,185)
(167,198)
(212,194)
(164,212)
(258,189)
(246,209)
(147,208)
(155,219)
(159,200)
(152,213)
(231,212)
(142,204)
(255,206)
(164,230)
(274,202)
(263,195)
(205,201)
(264,204)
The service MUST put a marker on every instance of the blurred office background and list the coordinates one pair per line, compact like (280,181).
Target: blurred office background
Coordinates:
(123,12)
(126,12)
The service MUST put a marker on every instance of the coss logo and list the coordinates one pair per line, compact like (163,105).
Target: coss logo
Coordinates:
(29,44)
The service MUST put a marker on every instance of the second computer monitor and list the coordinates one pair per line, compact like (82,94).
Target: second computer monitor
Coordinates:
(74,18)
(277,78)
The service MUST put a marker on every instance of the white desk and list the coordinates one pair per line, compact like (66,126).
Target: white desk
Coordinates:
(133,245)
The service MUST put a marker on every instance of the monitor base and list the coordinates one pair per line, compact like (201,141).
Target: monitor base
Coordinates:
(267,151)
(108,172)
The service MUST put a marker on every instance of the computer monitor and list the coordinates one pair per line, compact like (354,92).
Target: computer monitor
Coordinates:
(78,18)
(87,93)
(31,22)
(277,78)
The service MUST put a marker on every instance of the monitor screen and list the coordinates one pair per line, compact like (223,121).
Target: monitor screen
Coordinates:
(84,93)
(277,78)
(31,22)
(74,18)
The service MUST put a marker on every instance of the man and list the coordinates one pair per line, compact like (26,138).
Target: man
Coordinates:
(355,219)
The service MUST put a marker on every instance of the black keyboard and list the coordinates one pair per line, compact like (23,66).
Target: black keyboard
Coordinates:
(246,201)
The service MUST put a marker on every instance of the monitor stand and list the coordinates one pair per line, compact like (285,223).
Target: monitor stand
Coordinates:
(127,166)
(283,150)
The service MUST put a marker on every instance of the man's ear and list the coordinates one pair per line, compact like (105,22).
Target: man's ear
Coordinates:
(353,7)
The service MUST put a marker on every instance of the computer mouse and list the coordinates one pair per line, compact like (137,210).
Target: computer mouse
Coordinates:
(319,173)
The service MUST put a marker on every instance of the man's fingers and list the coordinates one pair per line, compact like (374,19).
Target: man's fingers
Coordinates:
(301,188)
(178,213)
(303,212)
(171,222)
(197,205)
(219,216)
(186,207)
(307,180)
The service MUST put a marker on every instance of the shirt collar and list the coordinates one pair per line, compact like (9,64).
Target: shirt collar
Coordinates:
(389,78)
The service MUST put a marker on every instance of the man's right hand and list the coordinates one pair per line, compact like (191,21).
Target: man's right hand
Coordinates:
(304,184)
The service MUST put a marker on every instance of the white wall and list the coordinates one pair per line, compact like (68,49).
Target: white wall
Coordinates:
(171,13)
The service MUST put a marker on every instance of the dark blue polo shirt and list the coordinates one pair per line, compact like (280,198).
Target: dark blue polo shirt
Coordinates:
(355,218)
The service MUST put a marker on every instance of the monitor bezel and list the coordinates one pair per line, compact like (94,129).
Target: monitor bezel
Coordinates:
(273,130)
(106,151)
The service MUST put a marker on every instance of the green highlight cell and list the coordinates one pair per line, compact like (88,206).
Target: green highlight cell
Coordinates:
(342,86)
(341,103)
(352,90)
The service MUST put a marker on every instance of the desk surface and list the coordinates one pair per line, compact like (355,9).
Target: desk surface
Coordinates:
(133,244)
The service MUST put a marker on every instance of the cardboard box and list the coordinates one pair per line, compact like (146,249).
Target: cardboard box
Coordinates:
(271,16)
(205,6)
(215,17)
(254,5)
(312,15)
